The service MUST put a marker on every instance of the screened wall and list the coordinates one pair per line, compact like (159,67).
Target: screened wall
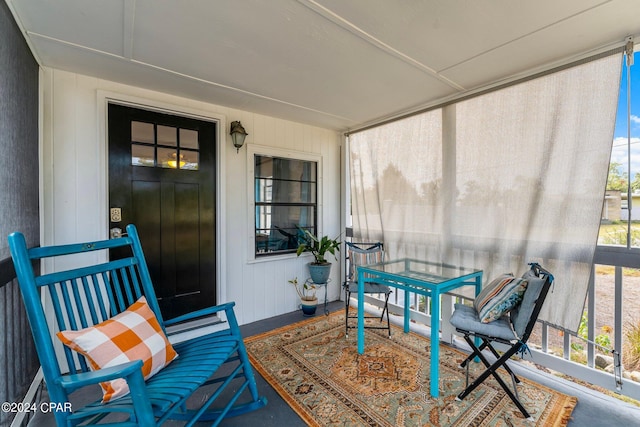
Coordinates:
(19,180)
(497,180)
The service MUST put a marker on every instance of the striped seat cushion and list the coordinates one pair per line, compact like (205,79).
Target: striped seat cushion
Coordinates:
(499,297)
(134,334)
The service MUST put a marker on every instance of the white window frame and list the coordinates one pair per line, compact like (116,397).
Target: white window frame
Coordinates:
(261,150)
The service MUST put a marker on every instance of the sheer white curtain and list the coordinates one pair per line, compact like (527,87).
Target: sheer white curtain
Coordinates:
(396,174)
(496,181)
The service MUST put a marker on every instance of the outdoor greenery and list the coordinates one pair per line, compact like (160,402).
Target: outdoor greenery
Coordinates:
(603,340)
(617,180)
(616,233)
(631,346)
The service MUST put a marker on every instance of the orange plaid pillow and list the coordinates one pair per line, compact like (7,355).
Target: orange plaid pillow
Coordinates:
(134,334)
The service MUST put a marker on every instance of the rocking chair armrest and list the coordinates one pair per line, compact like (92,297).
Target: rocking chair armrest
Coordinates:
(227,307)
(125,370)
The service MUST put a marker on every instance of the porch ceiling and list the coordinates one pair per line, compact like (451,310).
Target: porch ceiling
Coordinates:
(332,63)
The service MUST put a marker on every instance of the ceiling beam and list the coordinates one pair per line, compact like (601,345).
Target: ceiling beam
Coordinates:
(128,19)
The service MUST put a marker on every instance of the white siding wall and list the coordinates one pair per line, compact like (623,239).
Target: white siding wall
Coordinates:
(75,194)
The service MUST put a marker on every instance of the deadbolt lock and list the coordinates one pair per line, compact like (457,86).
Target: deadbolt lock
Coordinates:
(116,214)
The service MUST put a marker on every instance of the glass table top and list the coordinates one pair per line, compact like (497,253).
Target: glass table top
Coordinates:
(431,272)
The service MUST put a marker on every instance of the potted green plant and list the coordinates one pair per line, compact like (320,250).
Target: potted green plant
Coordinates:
(307,293)
(320,268)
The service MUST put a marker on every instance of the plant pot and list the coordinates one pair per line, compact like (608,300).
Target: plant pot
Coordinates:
(309,306)
(319,272)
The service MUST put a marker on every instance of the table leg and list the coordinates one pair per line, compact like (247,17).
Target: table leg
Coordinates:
(478,289)
(476,340)
(407,313)
(326,291)
(478,284)
(435,343)
(360,312)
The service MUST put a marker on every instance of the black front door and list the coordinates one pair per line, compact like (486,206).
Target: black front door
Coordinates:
(162,179)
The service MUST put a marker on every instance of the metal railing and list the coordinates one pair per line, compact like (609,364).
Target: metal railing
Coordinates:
(577,355)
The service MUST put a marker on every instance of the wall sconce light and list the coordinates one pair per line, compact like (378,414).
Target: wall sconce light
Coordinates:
(238,134)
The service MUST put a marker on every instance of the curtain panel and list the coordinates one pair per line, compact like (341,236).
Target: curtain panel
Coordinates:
(496,181)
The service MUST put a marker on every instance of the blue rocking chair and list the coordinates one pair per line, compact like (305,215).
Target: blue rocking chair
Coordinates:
(86,297)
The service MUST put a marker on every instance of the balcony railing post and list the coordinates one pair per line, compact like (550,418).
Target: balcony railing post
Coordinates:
(566,349)
(591,320)
(617,315)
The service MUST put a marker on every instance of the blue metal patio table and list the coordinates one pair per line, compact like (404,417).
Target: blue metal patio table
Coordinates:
(420,277)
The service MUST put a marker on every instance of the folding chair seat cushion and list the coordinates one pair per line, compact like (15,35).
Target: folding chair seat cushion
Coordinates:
(508,327)
(369,288)
(466,318)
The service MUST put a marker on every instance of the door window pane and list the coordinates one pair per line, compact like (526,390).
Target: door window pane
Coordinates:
(190,159)
(189,138)
(168,158)
(167,135)
(142,155)
(142,132)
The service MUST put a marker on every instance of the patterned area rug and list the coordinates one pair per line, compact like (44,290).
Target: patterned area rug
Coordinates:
(318,372)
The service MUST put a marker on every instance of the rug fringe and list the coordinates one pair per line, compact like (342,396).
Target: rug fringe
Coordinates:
(567,410)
